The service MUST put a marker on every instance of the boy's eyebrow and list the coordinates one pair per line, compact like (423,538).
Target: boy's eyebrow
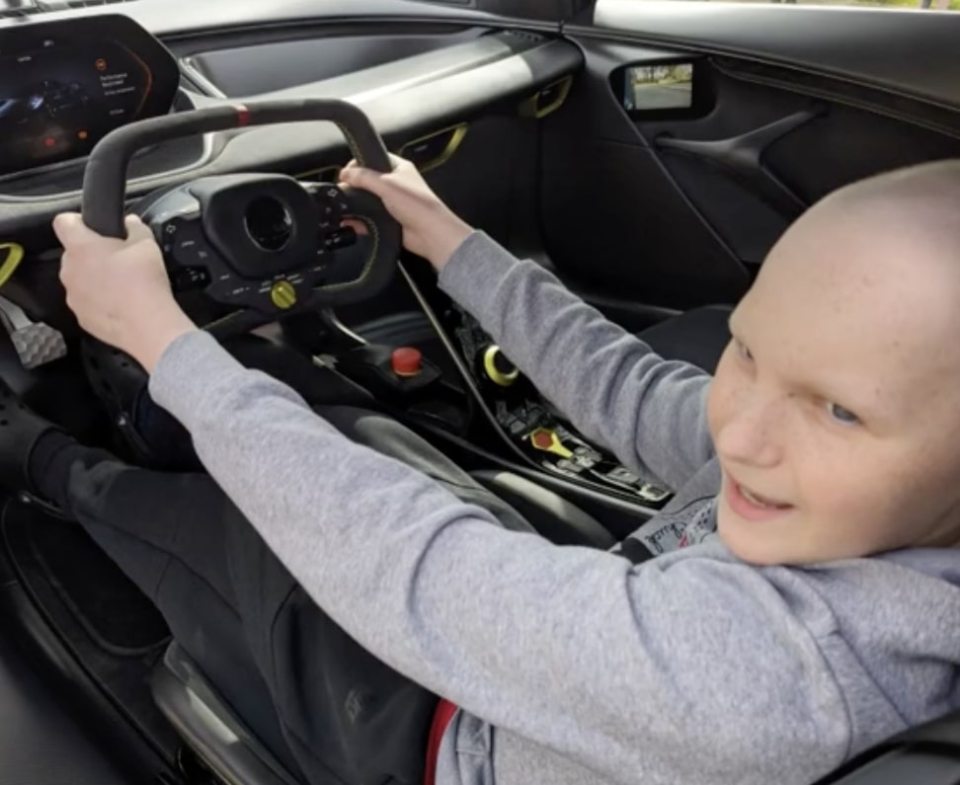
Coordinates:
(824,389)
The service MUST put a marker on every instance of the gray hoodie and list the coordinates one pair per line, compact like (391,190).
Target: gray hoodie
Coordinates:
(574,665)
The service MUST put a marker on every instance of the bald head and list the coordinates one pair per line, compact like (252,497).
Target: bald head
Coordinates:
(917,207)
(880,256)
(924,187)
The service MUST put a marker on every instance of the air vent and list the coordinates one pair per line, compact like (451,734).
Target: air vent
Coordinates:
(524,35)
(18,9)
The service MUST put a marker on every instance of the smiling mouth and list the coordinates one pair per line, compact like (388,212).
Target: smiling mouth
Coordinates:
(760,501)
(751,505)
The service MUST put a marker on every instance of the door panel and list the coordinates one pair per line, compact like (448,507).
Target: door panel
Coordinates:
(680,212)
(903,51)
(613,215)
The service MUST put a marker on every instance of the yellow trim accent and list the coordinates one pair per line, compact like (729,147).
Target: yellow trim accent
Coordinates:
(495,374)
(283,295)
(9,265)
(556,447)
(456,139)
(530,107)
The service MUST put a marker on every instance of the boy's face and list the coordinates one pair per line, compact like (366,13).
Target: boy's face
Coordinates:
(835,409)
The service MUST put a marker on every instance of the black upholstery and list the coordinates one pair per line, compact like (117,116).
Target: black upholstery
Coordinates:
(40,743)
(551,515)
(698,336)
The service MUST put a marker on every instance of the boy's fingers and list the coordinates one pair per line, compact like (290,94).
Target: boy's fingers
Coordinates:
(136,229)
(352,174)
(395,161)
(367,179)
(70,229)
(360,227)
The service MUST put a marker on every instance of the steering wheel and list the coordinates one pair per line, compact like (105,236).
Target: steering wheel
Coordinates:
(265,245)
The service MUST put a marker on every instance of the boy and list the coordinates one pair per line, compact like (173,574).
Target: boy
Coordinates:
(821,617)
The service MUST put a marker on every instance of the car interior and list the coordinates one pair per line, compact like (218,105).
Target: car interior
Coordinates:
(647,153)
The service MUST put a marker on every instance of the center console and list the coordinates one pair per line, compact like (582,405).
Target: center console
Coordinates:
(534,426)
(473,399)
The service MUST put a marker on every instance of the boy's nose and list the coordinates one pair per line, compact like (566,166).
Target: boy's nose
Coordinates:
(752,434)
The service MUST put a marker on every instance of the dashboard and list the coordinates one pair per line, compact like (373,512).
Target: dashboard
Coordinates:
(461,99)
(426,87)
(422,82)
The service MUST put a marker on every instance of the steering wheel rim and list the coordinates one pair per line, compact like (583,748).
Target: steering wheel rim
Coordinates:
(104,183)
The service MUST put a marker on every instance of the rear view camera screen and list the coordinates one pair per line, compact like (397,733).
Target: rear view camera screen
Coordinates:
(61,92)
(658,87)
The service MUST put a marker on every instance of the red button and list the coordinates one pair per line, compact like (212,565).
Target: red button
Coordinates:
(406,361)
(542,439)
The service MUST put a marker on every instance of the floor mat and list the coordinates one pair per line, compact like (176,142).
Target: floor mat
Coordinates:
(114,612)
(108,626)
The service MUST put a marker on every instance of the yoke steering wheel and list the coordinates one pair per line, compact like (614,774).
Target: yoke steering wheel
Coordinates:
(263,244)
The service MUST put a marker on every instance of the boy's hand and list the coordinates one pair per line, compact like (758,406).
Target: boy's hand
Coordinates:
(430,228)
(119,289)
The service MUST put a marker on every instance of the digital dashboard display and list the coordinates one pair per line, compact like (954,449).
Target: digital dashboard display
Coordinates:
(65,85)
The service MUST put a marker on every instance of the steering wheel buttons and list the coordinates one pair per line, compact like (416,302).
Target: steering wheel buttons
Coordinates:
(340,238)
(185,244)
(406,361)
(331,202)
(186,278)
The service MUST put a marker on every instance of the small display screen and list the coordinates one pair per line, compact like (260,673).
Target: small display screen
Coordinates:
(658,88)
(61,92)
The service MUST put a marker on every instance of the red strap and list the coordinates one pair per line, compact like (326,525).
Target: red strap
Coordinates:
(441,719)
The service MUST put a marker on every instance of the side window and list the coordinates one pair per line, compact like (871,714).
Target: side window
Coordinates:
(935,5)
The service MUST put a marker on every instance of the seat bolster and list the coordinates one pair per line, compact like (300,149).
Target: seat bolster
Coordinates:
(698,336)
(551,515)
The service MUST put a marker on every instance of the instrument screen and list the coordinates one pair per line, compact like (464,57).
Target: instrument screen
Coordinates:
(65,85)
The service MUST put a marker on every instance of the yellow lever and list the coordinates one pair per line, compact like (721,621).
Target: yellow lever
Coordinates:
(12,261)
(547,441)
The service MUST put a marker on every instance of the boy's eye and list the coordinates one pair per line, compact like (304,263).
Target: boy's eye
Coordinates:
(842,415)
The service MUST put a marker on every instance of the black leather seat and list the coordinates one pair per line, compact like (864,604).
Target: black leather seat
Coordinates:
(551,515)
(698,336)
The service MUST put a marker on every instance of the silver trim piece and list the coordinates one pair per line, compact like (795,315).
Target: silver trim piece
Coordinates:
(189,69)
